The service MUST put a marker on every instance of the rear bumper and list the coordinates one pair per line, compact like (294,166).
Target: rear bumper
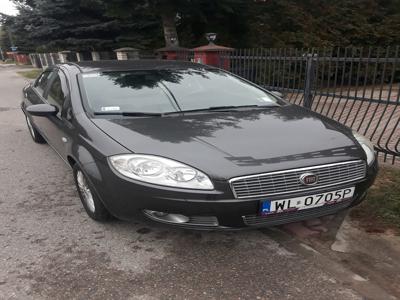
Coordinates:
(125,199)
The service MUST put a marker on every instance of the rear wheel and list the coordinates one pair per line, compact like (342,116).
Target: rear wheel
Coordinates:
(91,202)
(36,136)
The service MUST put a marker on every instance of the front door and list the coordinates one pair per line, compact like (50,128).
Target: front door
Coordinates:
(57,128)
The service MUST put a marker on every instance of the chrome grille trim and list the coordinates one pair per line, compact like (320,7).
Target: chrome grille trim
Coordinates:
(287,181)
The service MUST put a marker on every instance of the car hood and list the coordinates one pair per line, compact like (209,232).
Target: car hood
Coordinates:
(229,144)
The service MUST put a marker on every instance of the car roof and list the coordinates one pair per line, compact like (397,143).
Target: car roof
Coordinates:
(140,64)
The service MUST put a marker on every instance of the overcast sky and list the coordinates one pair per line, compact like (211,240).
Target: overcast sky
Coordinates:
(7,7)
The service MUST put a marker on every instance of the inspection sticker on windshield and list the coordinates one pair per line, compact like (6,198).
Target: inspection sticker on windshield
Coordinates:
(266,99)
(90,75)
(110,108)
(306,202)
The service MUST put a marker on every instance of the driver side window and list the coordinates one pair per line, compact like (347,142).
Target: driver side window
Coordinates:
(57,92)
(56,95)
(42,82)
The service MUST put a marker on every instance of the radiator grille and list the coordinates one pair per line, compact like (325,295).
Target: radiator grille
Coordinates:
(288,181)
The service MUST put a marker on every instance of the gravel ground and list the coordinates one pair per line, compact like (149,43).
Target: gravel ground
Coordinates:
(50,249)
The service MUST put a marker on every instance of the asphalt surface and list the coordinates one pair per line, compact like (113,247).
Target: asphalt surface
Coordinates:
(50,249)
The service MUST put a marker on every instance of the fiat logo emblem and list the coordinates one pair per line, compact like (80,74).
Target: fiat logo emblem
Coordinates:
(309,178)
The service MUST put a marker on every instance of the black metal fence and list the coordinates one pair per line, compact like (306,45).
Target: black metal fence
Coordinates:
(356,86)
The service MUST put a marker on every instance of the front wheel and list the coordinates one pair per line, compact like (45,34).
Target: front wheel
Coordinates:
(91,202)
(36,136)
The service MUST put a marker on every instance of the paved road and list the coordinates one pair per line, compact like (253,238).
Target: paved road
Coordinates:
(50,249)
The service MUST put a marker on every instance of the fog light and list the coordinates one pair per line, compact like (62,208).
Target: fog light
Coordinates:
(166,217)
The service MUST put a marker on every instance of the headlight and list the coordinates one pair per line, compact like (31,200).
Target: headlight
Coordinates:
(367,145)
(161,171)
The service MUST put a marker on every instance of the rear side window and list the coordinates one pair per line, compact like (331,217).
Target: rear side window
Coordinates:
(42,82)
(56,95)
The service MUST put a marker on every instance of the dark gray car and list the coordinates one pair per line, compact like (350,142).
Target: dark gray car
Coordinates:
(194,146)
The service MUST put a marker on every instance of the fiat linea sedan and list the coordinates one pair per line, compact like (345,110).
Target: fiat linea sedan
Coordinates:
(194,146)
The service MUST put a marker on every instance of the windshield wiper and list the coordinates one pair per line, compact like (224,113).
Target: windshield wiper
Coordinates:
(222,108)
(129,113)
(230,107)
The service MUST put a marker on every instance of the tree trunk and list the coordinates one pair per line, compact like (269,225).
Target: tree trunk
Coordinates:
(170,34)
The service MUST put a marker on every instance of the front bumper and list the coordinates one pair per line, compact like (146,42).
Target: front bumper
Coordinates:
(125,199)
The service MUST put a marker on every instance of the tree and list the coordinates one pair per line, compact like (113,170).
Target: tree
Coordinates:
(52,25)
(316,23)
(46,25)
(191,18)
(78,25)
(4,39)
(165,10)
(228,18)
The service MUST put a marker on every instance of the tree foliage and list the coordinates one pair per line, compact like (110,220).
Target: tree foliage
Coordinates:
(107,24)
(319,23)
(54,25)
(4,39)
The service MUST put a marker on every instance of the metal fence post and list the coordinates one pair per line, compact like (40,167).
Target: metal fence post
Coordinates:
(309,80)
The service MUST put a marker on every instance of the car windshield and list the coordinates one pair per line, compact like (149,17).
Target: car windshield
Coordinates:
(168,91)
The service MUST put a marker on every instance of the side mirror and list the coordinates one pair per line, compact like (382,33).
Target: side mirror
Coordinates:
(278,94)
(42,110)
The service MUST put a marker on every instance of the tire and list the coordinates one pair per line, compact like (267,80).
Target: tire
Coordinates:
(36,136)
(90,201)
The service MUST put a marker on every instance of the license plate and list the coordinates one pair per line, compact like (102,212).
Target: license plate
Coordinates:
(306,202)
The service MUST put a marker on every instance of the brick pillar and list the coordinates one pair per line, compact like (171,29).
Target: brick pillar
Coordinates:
(52,59)
(173,53)
(95,56)
(127,53)
(41,61)
(79,56)
(63,55)
(212,54)
(33,58)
